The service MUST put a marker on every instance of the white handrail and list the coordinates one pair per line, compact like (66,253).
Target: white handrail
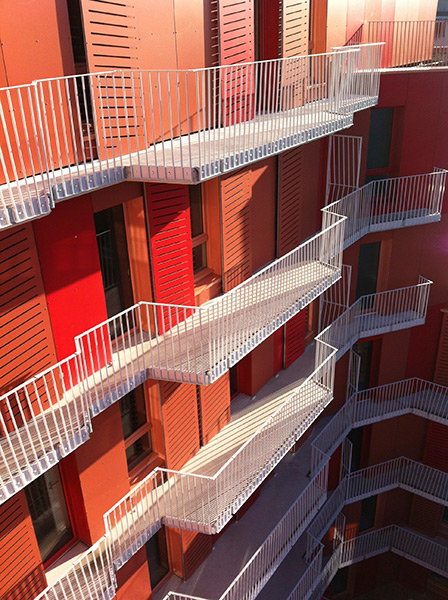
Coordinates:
(68,135)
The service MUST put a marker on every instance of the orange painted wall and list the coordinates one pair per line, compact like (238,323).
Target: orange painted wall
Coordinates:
(133,578)
(102,470)
(35,38)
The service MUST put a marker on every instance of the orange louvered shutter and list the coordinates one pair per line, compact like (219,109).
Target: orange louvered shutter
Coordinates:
(236,228)
(27,346)
(22,575)
(295,330)
(294,30)
(215,407)
(180,422)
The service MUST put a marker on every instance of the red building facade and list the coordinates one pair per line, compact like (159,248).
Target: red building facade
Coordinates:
(224,289)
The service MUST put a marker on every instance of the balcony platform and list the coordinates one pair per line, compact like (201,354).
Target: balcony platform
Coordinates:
(242,539)
(187,159)
(249,414)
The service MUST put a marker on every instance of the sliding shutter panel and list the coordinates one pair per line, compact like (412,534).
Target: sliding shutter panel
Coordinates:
(236,228)
(289,200)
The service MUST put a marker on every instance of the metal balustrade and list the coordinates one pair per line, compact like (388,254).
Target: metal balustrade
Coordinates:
(390,204)
(49,415)
(91,577)
(65,136)
(415,44)
(378,313)
(204,503)
(410,396)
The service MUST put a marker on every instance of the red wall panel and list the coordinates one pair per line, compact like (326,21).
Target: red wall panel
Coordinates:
(425,516)
(196,547)
(71,271)
(133,578)
(263,212)
(289,200)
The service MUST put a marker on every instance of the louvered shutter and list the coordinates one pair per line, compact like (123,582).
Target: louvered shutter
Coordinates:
(180,422)
(295,330)
(294,30)
(27,346)
(441,370)
(289,200)
(214,407)
(236,228)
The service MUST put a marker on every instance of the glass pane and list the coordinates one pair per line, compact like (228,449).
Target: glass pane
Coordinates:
(380,137)
(199,257)
(197,222)
(133,412)
(368,510)
(364,349)
(139,450)
(157,557)
(369,258)
(49,512)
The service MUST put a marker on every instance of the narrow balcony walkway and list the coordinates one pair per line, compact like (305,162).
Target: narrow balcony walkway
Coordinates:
(70,135)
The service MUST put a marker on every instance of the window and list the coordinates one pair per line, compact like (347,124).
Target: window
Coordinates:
(136,427)
(114,261)
(340,580)
(157,557)
(445,515)
(49,514)
(369,258)
(368,511)
(380,138)
(198,235)
(233,377)
(355,436)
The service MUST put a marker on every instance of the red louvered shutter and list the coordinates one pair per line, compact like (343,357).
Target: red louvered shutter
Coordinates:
(295,330)
(441,370)
(236,228)
(289,200)
(170,243)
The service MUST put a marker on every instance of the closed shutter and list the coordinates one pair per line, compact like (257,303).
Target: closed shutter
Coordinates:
(236,228)
(215,407)
(236,31)
(436,446)
(180,422)
(425,516)
(441,370)
(195,547)
(295,20)
(295,330)
(27,346)
(289,200)
(170,243)
(22,574)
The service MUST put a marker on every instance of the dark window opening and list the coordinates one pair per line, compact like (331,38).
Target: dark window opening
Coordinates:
(365,351)
(445,515)
(49,514)
(136,427)
(368,511)
(77,35)
(114,262)
(157,557)
(355,436)
(233,376)
(340,581)
(369,258)
(380,138)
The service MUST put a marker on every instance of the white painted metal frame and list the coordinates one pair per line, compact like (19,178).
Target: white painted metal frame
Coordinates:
(65,136)
(344,166)
(391,203)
